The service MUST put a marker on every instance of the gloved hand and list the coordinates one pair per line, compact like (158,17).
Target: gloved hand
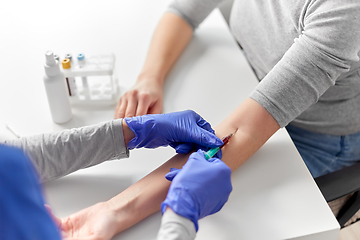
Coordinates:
(180,130)
(200,188)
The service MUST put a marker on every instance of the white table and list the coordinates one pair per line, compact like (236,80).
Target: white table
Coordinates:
(274,195)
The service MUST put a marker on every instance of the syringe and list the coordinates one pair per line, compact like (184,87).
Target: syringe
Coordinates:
(209,154)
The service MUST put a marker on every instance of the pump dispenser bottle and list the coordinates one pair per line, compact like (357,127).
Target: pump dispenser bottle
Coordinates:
(56,91)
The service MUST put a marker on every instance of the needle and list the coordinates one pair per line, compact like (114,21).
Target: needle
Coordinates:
(209,154)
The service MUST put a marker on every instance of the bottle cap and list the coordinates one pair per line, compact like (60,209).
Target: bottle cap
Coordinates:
(81,57)
(69,56)
(57,58)
(66,63)
(50,60)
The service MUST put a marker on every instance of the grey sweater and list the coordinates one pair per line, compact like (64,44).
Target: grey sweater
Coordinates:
(59,153)
(306,53)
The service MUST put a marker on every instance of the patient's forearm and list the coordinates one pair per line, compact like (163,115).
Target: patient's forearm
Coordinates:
(254,126)
(170,38)
(145,196)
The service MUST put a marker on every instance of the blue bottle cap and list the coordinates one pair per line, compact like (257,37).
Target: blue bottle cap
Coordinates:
(81,57)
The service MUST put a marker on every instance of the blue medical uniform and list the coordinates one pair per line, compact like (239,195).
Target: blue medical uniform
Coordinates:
(22,211)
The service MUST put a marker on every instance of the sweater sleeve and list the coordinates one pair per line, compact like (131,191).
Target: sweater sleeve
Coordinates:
(327,47)
(57,154)
(193,11)
(176,227)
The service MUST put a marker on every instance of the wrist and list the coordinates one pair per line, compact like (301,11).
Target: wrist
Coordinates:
(151,77)
(128,133)
(124,213)
(145,132)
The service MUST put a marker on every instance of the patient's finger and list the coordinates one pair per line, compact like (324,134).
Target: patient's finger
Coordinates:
(55,218)
(131,105)
(121,108)
(143,104)
(156,108)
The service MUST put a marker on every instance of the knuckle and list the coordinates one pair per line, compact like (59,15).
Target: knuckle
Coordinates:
(133,93)
(124,96)
(129,114)
(144,97)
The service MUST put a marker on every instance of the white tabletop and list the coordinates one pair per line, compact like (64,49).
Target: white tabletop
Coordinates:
(274,195)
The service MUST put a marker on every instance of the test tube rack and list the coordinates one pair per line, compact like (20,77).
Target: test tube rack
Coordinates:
(91,80)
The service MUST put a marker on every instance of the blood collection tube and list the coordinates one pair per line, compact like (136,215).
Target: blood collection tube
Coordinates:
(70,81)
(82,62)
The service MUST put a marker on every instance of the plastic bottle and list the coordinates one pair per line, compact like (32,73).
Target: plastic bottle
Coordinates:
(56,91)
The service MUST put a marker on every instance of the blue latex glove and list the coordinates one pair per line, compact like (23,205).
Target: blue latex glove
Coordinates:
(180,130)
(200,188)
(22,211)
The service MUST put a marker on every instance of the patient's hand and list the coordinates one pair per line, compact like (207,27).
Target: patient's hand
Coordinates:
(145,97)
(95,222)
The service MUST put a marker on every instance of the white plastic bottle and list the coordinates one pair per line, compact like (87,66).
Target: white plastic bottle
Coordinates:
(56,91)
